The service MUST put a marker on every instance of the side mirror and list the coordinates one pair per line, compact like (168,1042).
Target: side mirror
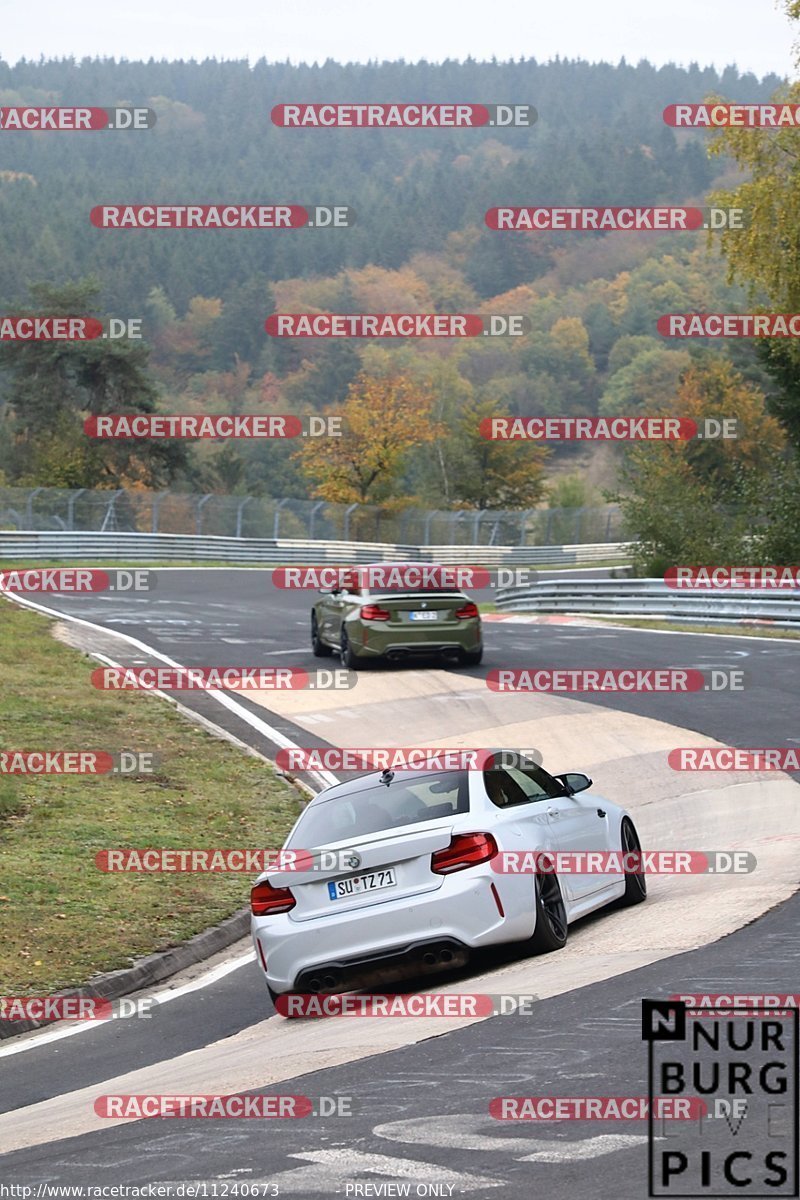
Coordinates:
(574,781)
(330,591)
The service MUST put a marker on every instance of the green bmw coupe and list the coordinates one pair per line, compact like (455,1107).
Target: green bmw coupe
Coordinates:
(360,623)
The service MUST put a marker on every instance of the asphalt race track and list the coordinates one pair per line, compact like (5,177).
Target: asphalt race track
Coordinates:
(420,1090)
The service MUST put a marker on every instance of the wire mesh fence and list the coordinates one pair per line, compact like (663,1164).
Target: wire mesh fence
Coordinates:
(128,511)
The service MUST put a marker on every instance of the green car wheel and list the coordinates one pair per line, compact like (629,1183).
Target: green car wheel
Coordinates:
(349,660)
(318,648)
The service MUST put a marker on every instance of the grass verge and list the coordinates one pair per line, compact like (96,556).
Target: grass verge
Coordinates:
(62,918)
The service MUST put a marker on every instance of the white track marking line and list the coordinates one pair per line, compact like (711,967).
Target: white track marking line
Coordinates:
(162,997)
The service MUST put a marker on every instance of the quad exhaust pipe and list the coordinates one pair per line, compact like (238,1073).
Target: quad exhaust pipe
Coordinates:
(435,958)
(322,981)
(399,654)
(335,977)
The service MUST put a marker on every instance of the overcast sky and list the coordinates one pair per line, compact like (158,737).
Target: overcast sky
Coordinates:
(753,34)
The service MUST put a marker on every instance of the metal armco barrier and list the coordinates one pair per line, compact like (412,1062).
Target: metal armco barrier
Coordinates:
(652,598)
(59,546)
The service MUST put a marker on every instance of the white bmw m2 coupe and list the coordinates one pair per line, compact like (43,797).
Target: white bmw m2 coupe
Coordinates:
(404,873)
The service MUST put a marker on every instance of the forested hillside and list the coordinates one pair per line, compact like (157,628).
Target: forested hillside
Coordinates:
(419,242)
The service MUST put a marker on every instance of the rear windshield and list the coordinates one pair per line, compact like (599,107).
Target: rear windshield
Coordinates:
(412,593)
(403,802)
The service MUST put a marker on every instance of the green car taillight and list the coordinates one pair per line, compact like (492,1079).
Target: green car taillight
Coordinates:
(374,612)
(467,610)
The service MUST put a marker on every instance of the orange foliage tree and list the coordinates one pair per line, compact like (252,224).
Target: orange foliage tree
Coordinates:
(383,420)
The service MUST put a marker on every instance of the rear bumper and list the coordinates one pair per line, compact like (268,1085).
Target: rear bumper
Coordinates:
(425,649)
(388,965)
(381,937)
(394,643)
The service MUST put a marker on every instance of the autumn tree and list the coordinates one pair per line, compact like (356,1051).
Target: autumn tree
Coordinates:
(496,474)
(699,501)
(384,419)
(765,255)
(650,379)
(561,356)
(51,387)
(189,342)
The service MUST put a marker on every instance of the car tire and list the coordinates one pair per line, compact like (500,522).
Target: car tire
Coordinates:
(349,660)
(470,658)
(551,930)
(318,647)
(635,885)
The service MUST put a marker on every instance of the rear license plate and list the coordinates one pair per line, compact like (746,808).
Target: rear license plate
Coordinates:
(373,881)
(423,616)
